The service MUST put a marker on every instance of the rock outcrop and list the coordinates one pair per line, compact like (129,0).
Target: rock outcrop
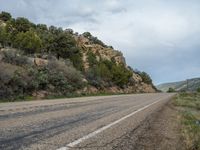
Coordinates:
(108,53)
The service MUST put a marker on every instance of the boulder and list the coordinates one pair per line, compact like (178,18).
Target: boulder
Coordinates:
(40,62)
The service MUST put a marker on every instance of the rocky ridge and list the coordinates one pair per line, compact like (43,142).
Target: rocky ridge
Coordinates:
(108,53)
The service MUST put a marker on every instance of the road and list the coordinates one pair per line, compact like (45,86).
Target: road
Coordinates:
(77,123)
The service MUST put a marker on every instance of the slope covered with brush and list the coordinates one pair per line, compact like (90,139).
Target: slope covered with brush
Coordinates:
(40,61)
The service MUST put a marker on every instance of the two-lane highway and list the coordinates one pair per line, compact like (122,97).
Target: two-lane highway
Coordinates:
(76,123)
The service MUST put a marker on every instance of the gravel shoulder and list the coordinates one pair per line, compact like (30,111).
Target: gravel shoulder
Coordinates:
(160,131)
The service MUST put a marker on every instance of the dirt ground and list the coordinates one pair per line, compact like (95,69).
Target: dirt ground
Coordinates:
(160,131)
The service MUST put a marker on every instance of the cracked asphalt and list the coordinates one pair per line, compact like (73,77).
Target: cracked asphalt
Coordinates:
(52,124)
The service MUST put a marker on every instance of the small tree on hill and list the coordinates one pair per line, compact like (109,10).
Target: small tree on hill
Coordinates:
(3,36)
(5,16)
(28,42)
(64,46)
(146,78)
(87,35)
(171,90)
(120,75)
(23,24)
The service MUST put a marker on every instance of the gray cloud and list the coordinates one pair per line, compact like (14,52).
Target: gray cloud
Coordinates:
(158,36)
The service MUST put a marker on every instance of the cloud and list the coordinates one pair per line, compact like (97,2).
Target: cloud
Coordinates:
(157,36)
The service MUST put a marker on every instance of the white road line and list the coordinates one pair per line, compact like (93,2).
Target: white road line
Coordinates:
(92,134)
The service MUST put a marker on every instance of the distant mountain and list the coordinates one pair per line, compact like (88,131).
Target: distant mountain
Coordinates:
(187,85)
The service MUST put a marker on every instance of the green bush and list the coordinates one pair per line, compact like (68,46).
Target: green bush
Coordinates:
(93,77)
(121,75)
(12,81)
(145,77)
(106,71)
(23,24)
(29,42)
(64,45)
(198,90)
(171,90)
(13,57)
(5,16)
(56,77)
(77,61)
(42,27)
(92,59)
(93,39)
(4,38)
(72,76)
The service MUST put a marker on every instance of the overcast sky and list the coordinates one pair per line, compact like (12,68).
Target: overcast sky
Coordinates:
(161,37)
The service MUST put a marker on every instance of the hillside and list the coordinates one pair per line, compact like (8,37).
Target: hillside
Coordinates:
(187,85)
(38,61)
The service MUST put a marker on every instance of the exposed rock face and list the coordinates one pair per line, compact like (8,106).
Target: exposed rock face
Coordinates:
(40,62)
(108,53)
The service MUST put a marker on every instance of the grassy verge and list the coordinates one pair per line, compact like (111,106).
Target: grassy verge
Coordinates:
(189,106)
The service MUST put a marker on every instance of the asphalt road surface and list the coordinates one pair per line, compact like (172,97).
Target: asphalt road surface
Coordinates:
(78,123)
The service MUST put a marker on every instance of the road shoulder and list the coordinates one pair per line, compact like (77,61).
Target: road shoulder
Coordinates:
(160,131)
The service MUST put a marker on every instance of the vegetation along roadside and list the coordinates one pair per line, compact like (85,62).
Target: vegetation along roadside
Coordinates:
(188,105)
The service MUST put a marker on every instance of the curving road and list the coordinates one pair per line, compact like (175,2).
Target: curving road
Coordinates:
(78,123)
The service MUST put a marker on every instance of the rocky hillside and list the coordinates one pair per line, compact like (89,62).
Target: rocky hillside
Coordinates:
(187,85)
(40,61)
(99,52)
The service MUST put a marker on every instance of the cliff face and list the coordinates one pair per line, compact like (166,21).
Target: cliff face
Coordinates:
(103,52)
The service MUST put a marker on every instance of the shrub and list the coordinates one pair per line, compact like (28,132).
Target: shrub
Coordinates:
(171,90)
(64,45)
(93,39)
(56,77)
(5,16)
(29,42)
(93,77)
(104,72)
(198,90)
(42,27)
(3,36)
(109,72)
(121,75)
(13,57)
(145,77)
(77,61)
(71,75)
(92,59)
(23,24)
(87,35)
(12,81)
